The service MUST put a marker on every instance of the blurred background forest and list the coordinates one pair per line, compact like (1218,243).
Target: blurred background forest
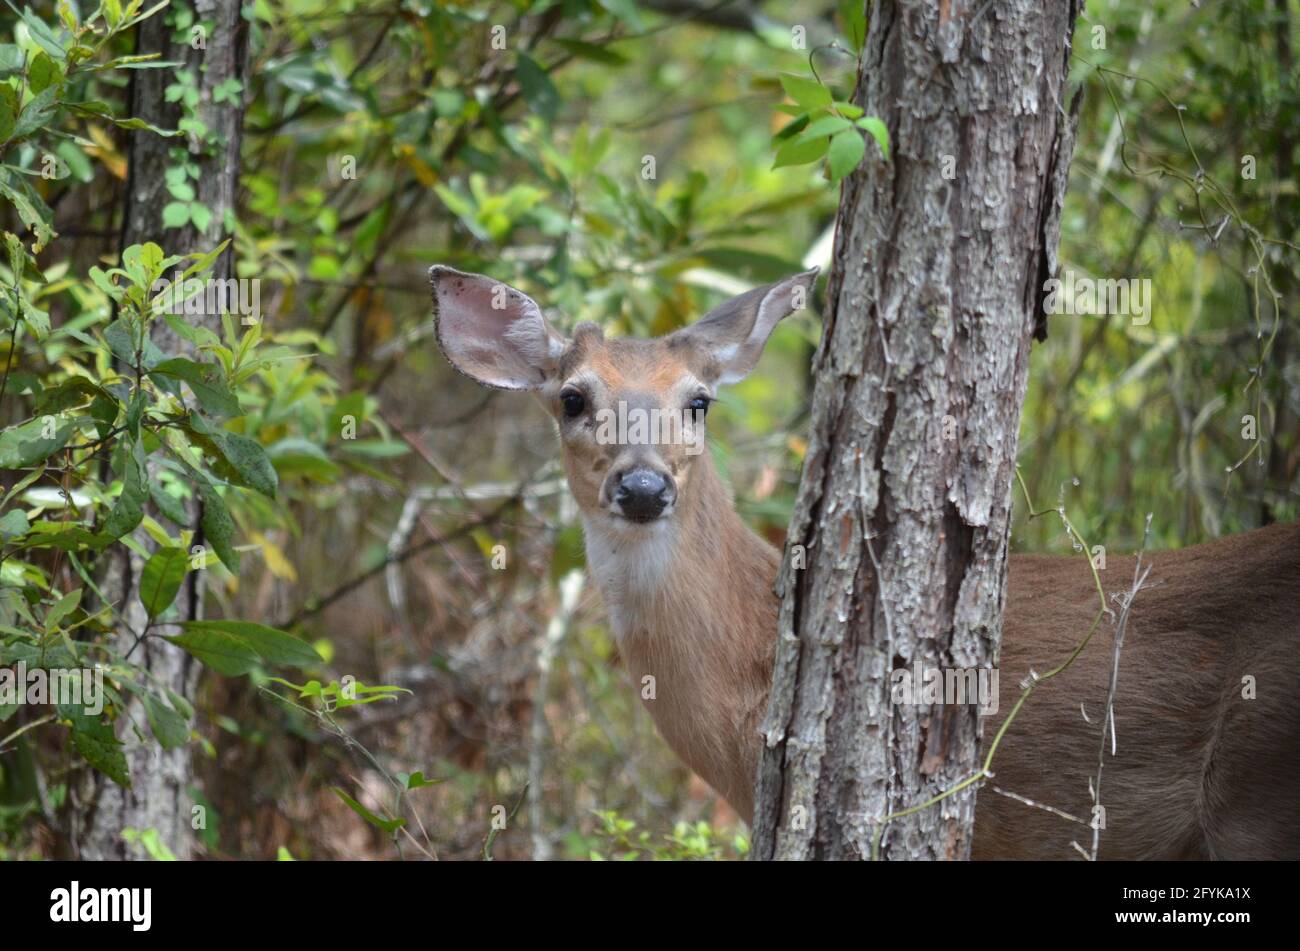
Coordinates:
(614,159)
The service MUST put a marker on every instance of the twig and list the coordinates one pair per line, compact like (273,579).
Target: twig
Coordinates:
(493,832)
(571,586)
(317,605)
(4,744)
(1108,720)
(1037,805)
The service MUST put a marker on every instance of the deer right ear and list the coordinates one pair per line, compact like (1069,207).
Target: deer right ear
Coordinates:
(491,332)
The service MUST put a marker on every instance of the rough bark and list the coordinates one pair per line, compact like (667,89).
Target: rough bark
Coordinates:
(159,795)
(935,293)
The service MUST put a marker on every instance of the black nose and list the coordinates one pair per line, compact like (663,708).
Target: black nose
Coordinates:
(643,494)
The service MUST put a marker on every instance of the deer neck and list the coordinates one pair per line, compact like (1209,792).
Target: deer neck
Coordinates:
(691,605)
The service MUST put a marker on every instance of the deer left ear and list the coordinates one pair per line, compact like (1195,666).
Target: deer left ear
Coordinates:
(734,333)
(492,332)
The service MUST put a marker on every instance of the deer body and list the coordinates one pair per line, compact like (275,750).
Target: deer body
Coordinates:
(1201,770)
(701,625)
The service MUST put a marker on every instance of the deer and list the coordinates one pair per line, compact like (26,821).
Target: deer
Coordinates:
(1206,758)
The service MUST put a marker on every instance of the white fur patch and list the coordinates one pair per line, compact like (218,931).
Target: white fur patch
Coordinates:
(630,563)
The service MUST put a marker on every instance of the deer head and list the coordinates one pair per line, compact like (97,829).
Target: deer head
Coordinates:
(631,413)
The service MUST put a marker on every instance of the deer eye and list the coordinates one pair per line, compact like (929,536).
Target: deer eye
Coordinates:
(699,406)
(573,403)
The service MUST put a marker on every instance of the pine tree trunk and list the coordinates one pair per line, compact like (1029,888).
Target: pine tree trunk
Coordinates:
(904,505)
(159,796)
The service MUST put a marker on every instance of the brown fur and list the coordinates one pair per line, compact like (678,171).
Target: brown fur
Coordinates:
(707,638)
(1200,771)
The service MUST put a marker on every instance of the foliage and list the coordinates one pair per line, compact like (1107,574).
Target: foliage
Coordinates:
(825,129)
(1178,178)
(121,433)
(623,166)
(619,839)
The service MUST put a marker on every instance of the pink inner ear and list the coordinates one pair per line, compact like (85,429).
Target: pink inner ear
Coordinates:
(504,345)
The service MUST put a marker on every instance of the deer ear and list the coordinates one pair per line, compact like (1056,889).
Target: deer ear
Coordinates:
(491,332)
(735,332)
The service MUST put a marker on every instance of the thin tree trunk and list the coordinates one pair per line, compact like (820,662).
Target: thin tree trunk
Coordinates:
(159,796)
(904,506)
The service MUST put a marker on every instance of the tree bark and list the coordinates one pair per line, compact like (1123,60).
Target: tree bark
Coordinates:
(159,796)
(903,512)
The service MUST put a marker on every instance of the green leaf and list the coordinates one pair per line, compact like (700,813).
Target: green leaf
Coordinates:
(150,841)
(877,131)
(26,445)
(205,382)
(71,392)
(61,609)
(807,92)
(65,537)
(181,705)
(826,125)
(245,457)
(36,113)
(846,151)
(201,215)
(625,10)
(142,126)
(161,579)
(11,58)
(42,34)
(539,92)
(176,214)
(417,781)
(121,338)
(31,208)
(102,750)
(128,510)
(13,524)
(43,73)
(796,152)
(22,484)
(169,505)
(141,61)
(236,647)
(295,456)
(593,52)
(6,117)
(37,320)
(168,726)
(218,527)
(388,825)
(853,16)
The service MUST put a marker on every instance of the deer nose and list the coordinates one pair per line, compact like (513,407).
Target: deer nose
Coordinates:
(643,494)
